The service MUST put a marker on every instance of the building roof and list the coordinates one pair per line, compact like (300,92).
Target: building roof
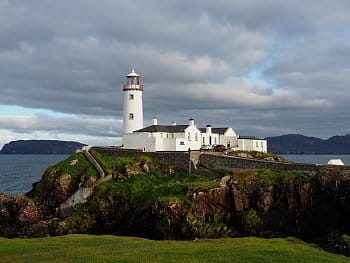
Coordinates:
(214,130)
(164,128)
(177,128)
(250,138)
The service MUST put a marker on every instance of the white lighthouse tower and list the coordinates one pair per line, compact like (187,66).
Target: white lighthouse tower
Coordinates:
(133,111)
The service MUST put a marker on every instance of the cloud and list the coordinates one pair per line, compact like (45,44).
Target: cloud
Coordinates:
(82,125)
(263,67)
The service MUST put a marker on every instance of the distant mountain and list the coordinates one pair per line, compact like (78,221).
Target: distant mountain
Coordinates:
(40,147)
(300,144)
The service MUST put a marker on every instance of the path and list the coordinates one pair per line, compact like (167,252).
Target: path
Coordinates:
(83,193)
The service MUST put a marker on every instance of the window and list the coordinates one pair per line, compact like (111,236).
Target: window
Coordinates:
(257,144)
(196,137)
(189,136)
(262,145)
(182,143)
(131,96)
(203,140)
(131,116)
(215,140)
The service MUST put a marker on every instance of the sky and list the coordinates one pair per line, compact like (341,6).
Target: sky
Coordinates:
(265,68)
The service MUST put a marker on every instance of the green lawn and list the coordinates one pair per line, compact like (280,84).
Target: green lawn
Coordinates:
(87,248)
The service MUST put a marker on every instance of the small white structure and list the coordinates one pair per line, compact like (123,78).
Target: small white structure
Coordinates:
(251,143)
(174,137)
(335,162)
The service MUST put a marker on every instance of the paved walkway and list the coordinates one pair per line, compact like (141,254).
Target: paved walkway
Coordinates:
(86,152)
(83,193)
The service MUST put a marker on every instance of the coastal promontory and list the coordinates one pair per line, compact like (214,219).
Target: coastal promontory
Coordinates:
(41,147)
(151,195)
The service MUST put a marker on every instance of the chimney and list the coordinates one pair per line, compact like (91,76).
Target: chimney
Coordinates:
(173,123)
(208,129)
(154,121)
(191,122)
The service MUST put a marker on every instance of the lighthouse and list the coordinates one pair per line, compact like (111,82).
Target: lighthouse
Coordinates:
(133,111)
(174,137)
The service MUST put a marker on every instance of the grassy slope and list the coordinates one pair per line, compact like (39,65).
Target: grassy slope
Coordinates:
(147,188)
(84,248)
(82,168)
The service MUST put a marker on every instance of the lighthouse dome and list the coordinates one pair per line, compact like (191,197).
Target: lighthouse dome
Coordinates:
(132,74)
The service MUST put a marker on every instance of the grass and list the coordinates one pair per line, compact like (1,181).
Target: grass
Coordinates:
(87,248)
(75,166)
(113,164)
(148,188)
(82,166)
(260,156)
(268,176)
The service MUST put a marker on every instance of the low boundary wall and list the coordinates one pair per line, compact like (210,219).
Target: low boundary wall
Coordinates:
(178,159)
(234,164)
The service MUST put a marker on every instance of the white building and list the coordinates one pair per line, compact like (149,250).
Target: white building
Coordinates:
(251,143)
(174,137)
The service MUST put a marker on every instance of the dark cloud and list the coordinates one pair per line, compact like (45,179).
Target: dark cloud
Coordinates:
(264,67)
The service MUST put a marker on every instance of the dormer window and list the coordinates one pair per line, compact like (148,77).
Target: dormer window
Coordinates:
(131,96)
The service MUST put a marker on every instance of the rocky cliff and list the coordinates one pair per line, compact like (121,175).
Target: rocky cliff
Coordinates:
(147,199)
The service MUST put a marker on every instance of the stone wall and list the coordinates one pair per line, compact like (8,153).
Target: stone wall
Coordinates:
(233,164)
(179,159)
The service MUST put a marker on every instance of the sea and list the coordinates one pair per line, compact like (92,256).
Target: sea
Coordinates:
(19,171)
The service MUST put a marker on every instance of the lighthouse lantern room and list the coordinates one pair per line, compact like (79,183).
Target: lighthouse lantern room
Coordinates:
(133,111)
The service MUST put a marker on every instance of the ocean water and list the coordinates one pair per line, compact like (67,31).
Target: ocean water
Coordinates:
(316,159)
(19,171)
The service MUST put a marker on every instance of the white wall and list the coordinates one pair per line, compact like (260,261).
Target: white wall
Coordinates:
(159,141)
(133,106)
(205,138)
(228,140)
(252,145)
(139,141)
(191,139)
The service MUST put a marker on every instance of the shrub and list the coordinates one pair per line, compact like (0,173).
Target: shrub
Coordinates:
(252,219)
